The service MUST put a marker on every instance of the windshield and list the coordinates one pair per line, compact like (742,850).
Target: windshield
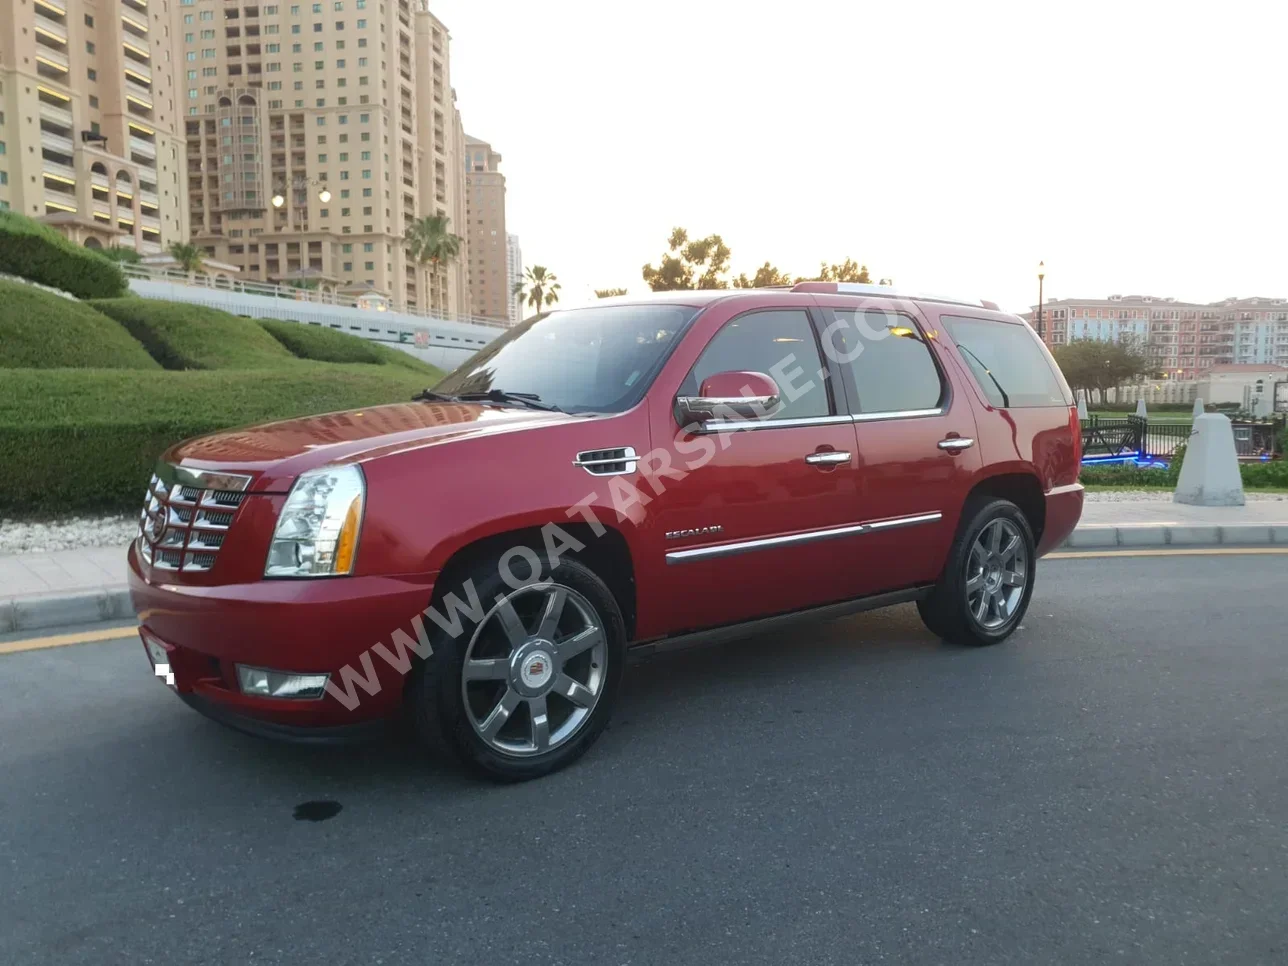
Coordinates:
(594,360)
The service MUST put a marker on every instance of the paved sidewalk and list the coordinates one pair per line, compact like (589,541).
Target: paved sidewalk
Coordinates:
(41,590)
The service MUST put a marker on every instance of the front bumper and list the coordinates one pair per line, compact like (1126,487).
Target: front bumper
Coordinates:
(303,626)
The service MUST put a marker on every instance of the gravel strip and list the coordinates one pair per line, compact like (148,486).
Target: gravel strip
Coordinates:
(75,533)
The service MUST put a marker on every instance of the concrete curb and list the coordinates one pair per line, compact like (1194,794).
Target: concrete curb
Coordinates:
(33,613)
(1102,536)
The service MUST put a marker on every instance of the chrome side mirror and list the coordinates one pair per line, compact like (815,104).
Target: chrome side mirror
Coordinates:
(731,396)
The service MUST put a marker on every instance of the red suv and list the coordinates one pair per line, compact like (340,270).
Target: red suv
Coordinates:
(600,482)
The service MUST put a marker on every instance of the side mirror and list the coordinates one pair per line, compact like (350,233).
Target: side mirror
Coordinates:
(729,395)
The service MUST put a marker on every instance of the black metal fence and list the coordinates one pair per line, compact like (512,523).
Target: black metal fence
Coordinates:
(1136,436)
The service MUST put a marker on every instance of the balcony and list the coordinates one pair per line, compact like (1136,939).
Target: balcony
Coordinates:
(58,115)
(57,171)
(52,12)
(140,5)
(55,62)
(49,29)
(145,148)
(138,76)
(56,142)
(134,28)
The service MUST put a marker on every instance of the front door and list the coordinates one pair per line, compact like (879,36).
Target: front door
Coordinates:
(757,524)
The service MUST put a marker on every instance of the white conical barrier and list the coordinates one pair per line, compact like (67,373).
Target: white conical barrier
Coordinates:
(1141,411)
(1210,474)
(1199,408)
(1082,406)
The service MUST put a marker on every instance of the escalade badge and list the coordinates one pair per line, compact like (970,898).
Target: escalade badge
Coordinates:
(696,532)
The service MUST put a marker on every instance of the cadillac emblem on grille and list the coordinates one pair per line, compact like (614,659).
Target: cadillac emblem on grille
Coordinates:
(186,516)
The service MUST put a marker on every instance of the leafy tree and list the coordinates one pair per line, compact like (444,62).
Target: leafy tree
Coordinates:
(1096,366)
(608,293)
(119,253)
(540,285)
(432,245)
(688,264)
(766,276)
(190,258)
(847,271)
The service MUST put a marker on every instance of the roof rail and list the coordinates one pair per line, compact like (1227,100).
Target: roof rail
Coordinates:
(885,291)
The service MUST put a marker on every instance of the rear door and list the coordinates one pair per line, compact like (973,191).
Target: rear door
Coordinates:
(915,450)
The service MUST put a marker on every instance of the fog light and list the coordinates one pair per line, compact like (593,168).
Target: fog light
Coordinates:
(279,684)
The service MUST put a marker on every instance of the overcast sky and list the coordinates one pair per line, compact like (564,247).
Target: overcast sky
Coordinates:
(1136,147)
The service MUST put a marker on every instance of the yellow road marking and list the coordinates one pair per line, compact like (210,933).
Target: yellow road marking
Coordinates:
(1211,552)
(62,640)
(119,633)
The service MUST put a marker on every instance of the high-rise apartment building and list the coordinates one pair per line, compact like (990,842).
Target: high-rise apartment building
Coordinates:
(91,136)
(489,274)
(318,133)
(1183,339)
(514,268)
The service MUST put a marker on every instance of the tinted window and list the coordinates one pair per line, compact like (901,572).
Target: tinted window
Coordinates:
(1008,363)
(599,359)
(892,365)
(779,344)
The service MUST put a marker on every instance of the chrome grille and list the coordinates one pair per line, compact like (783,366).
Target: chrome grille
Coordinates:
(184,525)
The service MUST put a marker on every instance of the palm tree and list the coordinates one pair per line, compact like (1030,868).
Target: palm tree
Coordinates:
(431,244)
(541,285)
(189,257)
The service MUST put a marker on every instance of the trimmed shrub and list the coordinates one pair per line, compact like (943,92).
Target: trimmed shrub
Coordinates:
(183,336)
(77,440)
(37,252)
(40,330)
(323,344)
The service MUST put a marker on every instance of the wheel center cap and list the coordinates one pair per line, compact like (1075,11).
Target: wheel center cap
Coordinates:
(536,670)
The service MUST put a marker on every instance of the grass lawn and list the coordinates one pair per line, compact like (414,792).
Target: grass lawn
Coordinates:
(1186,418)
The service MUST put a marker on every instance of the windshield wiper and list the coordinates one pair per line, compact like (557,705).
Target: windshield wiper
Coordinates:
(428,395)
(529,399)
(1006,400)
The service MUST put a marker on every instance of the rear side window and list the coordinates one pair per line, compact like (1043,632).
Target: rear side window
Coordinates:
(1008,363)
(892,365)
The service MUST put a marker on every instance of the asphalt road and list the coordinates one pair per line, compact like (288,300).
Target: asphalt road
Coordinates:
(1111,785)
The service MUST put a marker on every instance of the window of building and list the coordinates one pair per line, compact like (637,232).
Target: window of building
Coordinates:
(319,64)
(339,45)
(206,15)
(362,25)
(321,121)
(343,119)
(366,136)
(321,102)
(366,192)
(188,38)
(367,211)
(344,175)
(317,28)
(344,192)
(368,247)
(298,86)
(91,73)
(295,28)
(209,71)
(208,53)
(370,266)
(344,213)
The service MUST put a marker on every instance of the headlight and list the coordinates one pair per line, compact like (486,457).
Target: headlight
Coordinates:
(317,533)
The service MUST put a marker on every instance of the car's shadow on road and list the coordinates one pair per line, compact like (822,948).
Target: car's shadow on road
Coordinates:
(774,680)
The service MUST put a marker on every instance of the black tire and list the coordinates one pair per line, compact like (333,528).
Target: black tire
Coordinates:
(436,693)
(948,611)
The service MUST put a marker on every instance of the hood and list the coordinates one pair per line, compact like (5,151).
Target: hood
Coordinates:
(274,454)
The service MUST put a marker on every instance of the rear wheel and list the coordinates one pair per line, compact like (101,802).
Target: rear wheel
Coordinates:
(988,580)
(526,688)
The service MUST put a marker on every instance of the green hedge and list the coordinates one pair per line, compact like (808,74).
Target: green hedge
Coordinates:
(85,440)
(40,330)
(37,252)
(183,336)
(1256,476)
(322,344)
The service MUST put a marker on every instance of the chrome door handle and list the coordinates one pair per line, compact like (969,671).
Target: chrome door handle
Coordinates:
(955,444)
(829,458)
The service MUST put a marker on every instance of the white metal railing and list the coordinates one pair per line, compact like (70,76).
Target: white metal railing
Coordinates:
(316,296)
(62,170)
(56,142)
(59,115)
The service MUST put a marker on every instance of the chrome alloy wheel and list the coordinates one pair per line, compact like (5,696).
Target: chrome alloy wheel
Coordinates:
(997,572)
(534,670)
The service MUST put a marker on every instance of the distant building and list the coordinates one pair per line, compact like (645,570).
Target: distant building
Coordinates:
(90,135)
(489,275)
(514,265)
(1183,339)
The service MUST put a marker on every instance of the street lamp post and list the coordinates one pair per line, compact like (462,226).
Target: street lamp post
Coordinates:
(1041,276)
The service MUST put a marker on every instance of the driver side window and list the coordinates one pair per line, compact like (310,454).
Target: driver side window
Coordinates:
(780,344)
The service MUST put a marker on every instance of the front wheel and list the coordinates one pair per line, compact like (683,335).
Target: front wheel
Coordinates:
(986,585)
(528,684)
